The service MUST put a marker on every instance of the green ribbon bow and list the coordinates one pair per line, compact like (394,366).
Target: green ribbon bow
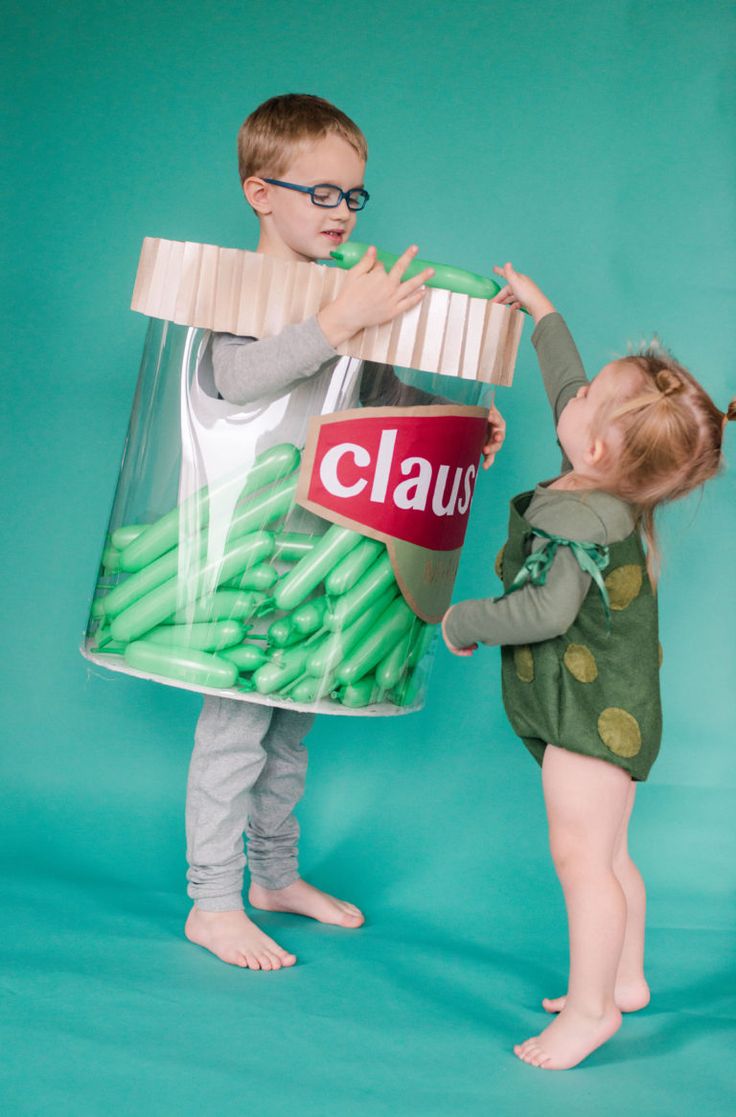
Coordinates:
(592,558)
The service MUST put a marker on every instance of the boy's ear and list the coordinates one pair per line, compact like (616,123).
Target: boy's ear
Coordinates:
(257,194)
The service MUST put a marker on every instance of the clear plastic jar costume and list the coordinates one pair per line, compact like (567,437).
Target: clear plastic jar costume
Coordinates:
(300,551)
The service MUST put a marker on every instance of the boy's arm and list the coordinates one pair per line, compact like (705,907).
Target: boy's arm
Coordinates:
(246,370)
(533,613)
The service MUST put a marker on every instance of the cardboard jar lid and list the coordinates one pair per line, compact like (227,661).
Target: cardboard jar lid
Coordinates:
(246,293)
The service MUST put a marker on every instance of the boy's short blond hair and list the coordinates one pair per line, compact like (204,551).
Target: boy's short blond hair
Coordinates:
(268,137)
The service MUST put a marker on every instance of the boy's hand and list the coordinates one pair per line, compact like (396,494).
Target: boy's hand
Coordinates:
(451,647)
(522,291)
(372,296)
(494,436)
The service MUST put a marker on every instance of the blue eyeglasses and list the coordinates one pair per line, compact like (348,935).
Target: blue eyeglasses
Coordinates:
(327,195)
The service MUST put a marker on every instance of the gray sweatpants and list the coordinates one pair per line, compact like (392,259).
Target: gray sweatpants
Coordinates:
(246,775)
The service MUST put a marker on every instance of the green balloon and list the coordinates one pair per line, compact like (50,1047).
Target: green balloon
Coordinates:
(260,578)
(337,645)
(164,600)
(246,657)
(365,591)
(314,567)
(223,604)
(309,616)
(207,636)
(389,629)
(347,572)
(294,545)
(185,664)
(445,275)
(360,694)
(161,536)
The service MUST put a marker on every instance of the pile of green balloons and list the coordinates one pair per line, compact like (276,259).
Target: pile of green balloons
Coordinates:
(341,628)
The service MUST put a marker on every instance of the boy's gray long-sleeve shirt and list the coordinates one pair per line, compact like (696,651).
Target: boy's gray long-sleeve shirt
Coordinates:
(536,613)
(246,370)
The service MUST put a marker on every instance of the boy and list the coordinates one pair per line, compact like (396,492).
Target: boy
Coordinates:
(302,163)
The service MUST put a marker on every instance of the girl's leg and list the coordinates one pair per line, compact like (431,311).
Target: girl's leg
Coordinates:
(632,990)
(586,802)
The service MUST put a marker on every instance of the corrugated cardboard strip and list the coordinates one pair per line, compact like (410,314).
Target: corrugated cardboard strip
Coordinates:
(252,295)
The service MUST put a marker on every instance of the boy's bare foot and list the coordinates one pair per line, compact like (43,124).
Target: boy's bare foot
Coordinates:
(234,938)
(301,898)
(569,1039)
(629,997)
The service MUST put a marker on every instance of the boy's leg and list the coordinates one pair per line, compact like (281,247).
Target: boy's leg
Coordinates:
(586,802)
(273,831)
(632,990)
(227,760)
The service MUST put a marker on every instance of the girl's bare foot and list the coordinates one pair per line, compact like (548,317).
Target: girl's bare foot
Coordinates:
(234,938)
(569,1039)
(301,898)
(629,997)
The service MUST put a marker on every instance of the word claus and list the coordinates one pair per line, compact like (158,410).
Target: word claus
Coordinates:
(412,493)
(397,474)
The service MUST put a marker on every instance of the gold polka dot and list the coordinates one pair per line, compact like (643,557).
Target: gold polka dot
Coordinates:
(660,656)
(623,585)
(619,731)
(581,663)
(498,564)
(524,663)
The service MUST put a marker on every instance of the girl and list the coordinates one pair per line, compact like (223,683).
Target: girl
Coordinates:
(578,625)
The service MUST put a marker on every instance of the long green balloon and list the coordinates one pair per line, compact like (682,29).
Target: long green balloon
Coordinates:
(162,602)
(224,604)
(362,693)
(310,689)
(309,616)
(206,636)
(388,630)
(314,567)
(372,584)
(246,657)
(279,672)
(260,577)
(445,275)
(185,664)
(294,545)
(394,663)
(344,576)
(143,581)
(162,535)
(340,644)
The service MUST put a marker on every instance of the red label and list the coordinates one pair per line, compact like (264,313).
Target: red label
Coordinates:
(396,473)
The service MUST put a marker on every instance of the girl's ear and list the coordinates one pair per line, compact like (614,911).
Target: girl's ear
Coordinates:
(596,452)
(257,195)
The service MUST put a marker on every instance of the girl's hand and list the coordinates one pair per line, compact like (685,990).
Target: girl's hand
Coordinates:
(522,291)
(451,647)
(372,296)
(494,437)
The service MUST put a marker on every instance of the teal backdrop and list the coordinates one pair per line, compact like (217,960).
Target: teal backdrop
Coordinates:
(591,143)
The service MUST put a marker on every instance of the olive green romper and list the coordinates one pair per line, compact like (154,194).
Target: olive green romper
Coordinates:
(595,688)
(577,623)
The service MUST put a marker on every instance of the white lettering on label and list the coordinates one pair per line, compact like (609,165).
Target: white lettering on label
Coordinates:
(383,465)
(411,494)
(438,507)
(414,492)
(464,502)
(330,463)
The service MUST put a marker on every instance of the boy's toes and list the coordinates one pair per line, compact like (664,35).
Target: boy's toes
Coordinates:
(553,1004)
